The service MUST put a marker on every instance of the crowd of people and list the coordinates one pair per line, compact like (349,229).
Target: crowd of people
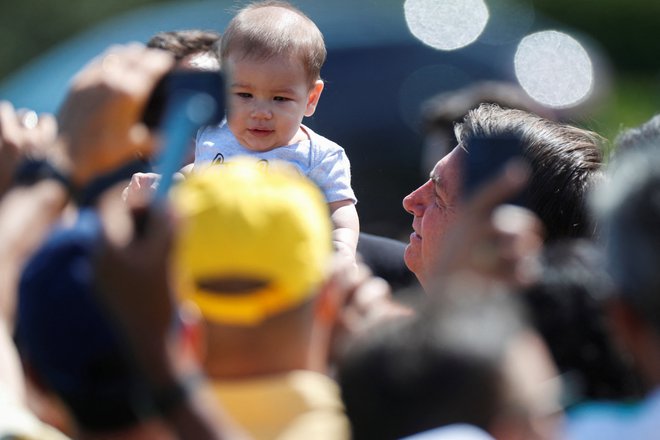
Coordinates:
(248,303)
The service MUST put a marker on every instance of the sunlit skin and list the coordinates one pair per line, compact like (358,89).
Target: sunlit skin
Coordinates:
(268,100)
(434,208)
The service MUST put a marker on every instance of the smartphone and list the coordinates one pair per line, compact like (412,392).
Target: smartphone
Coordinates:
(182,102)
(485,158)
(179,82)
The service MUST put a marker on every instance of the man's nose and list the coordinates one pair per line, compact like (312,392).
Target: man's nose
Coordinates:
(414,203)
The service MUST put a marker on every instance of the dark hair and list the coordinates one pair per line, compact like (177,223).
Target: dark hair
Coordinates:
(566,308)
(184,43)
(258,31)
(442,367)
(566,161)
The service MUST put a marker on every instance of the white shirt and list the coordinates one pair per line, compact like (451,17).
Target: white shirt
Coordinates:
(318,158)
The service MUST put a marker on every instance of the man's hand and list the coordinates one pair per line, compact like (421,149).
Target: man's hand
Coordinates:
(22,133)
(360,301)
(100,120)
(133,271)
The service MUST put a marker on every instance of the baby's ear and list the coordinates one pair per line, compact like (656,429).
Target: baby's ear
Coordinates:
(313,98)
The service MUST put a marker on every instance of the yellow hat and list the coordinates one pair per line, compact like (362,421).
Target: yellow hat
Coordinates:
(243,221)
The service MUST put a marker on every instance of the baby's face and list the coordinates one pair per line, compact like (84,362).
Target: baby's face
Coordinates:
(267,100)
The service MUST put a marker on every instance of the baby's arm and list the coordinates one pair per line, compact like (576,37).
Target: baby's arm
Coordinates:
(346,228)
(187,170)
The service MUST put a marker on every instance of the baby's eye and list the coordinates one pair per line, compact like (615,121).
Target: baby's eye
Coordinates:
(244,95)
(280,99)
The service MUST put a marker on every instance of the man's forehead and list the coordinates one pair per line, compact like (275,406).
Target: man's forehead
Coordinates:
(446,173)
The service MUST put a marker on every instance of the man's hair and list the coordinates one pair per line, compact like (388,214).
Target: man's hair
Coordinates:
(628,205)
(184,43)
(566,161)
(268,29)
(441,367)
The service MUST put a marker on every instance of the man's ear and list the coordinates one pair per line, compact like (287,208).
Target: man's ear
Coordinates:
(313,97)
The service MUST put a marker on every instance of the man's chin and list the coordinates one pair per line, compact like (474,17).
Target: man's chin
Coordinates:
(411,258)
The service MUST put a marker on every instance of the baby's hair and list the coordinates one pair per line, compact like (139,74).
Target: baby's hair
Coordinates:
(267,29)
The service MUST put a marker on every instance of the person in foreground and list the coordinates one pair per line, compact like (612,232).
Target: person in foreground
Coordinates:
(467,358)
(628,208)
(27,212)
(80,167)
(256,262)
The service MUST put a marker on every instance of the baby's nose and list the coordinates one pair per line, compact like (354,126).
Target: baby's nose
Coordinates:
(261,111)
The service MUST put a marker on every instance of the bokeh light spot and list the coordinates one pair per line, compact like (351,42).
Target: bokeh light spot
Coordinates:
(446,24)
(554,69)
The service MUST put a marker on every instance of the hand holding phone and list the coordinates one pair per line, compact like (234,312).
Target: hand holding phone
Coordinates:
(179,82)
(181,103)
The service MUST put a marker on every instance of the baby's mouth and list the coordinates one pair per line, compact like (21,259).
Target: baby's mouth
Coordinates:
(260,131)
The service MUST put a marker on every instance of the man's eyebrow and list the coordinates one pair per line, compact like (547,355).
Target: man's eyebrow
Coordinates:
(437,183)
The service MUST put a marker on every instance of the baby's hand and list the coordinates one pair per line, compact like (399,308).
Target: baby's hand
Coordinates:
(141,188)
(345,253)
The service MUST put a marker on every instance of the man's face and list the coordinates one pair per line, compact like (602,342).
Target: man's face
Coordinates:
(267,100)
(433,206)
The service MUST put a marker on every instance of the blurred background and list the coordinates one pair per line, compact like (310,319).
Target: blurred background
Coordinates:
(594,63)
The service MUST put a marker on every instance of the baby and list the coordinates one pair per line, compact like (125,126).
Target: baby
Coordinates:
(272,55)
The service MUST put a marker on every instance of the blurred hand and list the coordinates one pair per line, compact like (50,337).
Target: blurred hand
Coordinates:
(141,188)
(496,241)
(100,120)
(361,300)
(22,133)
(132,271)
(26,217)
